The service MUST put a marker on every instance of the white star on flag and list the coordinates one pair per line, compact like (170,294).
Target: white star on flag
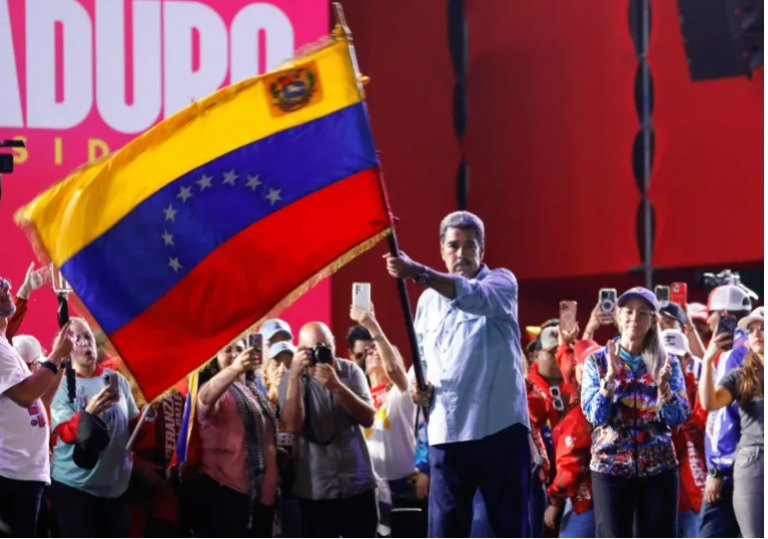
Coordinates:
(253,182)
(170,213)
(173,263)
(230,177)
(185,193)
(167,238)
(273,196)
(204,182)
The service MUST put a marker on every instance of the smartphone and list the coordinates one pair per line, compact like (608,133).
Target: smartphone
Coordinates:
(679,294)
(662,292)
(256,341)
(110,381)
(608,299)
(567,315)
(361,296)
(727,324)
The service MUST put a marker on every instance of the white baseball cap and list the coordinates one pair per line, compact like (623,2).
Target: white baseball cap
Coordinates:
(675,342)
(758,315)
(698,311)
(28,348)
(280,347)
(728,298)
(274,326)
(548,339)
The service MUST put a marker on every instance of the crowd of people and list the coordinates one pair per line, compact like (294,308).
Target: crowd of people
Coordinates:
(655,432)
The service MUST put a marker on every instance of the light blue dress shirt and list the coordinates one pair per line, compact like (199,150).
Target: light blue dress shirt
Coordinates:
(472,348)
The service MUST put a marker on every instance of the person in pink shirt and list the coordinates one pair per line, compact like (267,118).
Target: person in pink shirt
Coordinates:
(235,493)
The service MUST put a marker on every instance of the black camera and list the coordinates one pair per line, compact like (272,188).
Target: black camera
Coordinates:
(321,353)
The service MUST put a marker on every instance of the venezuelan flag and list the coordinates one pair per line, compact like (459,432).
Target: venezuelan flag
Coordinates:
(218,216)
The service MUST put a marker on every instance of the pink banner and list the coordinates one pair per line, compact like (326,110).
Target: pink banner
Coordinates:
(81,78)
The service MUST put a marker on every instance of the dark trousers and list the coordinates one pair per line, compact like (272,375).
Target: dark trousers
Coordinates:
(355,516)
(80,514)
(499,466)
(219,511)
(719,519)
(19,505)
(647,503)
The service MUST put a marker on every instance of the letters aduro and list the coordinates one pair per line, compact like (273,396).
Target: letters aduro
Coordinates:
(129,89)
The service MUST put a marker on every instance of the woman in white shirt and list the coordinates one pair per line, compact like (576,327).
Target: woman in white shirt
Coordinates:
(391,440)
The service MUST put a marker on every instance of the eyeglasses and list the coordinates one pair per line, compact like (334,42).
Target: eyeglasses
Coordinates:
(359,356)
(557,398)
(755,329)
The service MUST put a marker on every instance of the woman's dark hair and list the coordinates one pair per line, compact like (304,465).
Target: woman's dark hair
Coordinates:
(750,384)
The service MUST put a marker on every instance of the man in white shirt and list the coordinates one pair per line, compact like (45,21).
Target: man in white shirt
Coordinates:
(468,333)
(24,429)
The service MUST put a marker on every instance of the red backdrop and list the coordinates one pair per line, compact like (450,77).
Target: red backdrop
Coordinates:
(707,179)
(551,123)
(549,135)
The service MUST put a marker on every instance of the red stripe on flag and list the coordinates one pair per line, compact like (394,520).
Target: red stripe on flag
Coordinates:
(245,278)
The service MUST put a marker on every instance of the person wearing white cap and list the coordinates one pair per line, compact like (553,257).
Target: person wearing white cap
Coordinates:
(688,440)
(276,330)
(744,386)
(30,350)
(278,362)
(24,433)
(717,516)
(677,343)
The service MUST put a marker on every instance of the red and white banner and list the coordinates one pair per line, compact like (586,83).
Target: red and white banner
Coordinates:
(80,78)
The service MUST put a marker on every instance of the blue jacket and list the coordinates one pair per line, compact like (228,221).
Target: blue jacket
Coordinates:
(724,426)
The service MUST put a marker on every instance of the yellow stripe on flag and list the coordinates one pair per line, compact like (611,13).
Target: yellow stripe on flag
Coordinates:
(92,199)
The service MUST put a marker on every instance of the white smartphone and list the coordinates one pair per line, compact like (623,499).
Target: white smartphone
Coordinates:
(361,296)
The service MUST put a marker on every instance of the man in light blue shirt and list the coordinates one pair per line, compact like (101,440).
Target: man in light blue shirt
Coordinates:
(466,323)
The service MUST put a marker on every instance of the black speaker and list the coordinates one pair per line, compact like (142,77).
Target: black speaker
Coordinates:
(722,38)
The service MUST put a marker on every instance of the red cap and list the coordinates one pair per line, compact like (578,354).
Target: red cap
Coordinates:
(583,349)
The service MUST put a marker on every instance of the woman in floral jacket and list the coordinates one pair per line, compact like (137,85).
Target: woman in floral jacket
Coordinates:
(633,393)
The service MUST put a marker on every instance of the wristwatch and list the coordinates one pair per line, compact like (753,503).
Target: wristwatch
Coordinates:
(51,366)
(717,474)
(606,385)
(422,279)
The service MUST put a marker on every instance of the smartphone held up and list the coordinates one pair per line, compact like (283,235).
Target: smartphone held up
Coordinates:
(361,296)
(726,325)
(567,316)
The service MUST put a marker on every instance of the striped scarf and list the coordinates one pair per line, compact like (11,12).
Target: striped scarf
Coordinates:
(251,413)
